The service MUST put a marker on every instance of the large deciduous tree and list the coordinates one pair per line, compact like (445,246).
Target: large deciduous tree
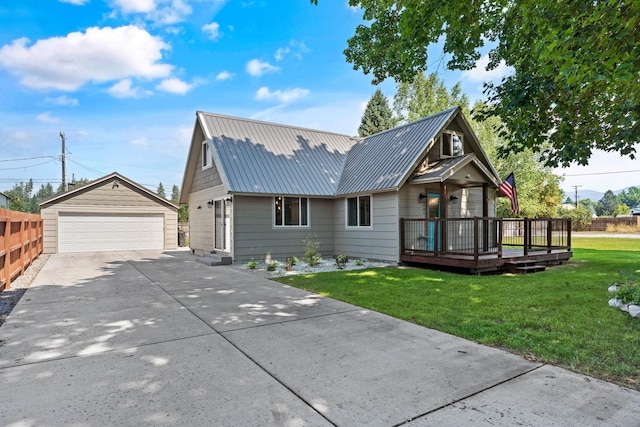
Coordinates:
(377,116)
(575,83)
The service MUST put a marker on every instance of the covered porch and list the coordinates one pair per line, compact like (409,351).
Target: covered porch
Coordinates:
(486,244)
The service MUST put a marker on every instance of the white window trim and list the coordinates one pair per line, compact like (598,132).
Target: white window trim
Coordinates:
(441,139)
(210,157)
(346,212)
(291,226)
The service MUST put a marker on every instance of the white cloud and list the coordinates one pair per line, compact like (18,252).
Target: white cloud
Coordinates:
(124,89)
(295,48)
(225,75)
(256,68)
(63,100)
(212,29)
(46,118)
(174,85)
(140,142)
(284,96)
(75,2)
(98,55)
(165,12)
(480,73)
(281,52)
(135,6)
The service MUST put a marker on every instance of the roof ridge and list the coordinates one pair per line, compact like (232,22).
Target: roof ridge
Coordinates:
(262,122)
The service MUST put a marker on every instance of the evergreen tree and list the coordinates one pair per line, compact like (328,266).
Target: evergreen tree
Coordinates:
(160,192)
(175,194)
(607,205)
(377,116)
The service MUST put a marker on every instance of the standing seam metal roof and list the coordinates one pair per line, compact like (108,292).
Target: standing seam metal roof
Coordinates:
(261,157)
(382,161)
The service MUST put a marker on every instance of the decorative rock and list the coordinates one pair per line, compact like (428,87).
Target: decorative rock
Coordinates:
(615,302)
(613,288)
(634,310)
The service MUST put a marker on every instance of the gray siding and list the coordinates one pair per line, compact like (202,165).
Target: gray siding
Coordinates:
(201,219)
(204,178)
(256,237)
(380,241)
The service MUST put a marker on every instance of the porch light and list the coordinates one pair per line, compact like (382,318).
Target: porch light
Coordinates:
(210,203)
(453,197)
(422,197)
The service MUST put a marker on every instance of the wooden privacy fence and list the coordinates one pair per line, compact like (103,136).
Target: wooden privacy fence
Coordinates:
(600,224)
(20,243)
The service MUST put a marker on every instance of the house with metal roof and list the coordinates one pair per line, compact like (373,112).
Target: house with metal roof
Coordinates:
(258,190)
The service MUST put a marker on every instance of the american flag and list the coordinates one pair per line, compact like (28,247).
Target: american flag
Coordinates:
(508,188)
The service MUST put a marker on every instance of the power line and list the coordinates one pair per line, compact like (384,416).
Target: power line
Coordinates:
(28,166)
(602,173)
(27,158)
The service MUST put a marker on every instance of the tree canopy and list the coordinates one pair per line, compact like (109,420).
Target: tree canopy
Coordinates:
(575,64)
(377,116)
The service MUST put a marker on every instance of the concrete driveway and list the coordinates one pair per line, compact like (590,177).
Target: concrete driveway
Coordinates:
(144,338)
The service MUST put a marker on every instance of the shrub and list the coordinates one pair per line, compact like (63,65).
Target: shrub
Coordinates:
(358,262)
(291,262)
(272,265)
(341,261)
(311,254)
(251,265)
(580,218)
(629,294)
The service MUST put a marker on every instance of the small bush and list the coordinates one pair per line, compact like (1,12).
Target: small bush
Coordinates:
(311,254)
(341,261)
(251,265)
(272,265)
(291,262)
(358,262)
(629,294)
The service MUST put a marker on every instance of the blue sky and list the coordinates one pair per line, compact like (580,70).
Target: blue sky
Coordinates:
(123,80)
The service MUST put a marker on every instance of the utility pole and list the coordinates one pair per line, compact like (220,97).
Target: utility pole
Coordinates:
(64,172)
(575,187)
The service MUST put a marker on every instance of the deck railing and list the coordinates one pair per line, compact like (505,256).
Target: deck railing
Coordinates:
(482,236)
(20,243)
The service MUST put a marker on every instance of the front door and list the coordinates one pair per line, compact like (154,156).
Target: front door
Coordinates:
(222,225)
(433,228)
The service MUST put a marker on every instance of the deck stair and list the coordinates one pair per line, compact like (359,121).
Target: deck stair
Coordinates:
(524,266)
(215,259)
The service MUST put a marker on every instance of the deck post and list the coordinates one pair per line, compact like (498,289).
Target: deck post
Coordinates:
(443,216)
(568,235)
(500,231)
(485,214)
(401,236)
(527,236)
(475,238)
(549,234)
(7,252)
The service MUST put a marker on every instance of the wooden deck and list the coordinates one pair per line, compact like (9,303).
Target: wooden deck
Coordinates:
(480,245)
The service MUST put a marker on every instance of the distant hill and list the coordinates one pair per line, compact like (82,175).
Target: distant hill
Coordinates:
(593,195)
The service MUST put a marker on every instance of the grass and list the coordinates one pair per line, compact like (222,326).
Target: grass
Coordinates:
(559,316)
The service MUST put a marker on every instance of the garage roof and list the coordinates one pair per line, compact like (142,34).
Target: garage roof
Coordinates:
(117,178)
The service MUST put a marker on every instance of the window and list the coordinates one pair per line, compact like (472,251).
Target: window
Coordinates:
(451,144)
(206,156)
(291,211)
(359,211)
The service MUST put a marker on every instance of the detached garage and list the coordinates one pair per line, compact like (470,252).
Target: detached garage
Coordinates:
(109,214)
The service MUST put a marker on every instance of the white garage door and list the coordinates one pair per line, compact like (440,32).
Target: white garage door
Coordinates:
(101,232)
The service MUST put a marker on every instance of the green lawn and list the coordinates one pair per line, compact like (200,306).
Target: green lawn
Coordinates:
(559,316)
